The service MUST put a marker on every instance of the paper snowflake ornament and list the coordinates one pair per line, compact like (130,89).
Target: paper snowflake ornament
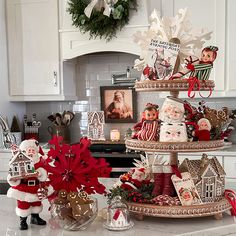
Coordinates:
(167,28)
(146,162)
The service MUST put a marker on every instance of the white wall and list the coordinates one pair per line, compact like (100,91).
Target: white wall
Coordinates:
(7,109)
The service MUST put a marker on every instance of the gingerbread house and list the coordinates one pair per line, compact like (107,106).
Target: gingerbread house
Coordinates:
(208,176)
(21,166)
(96,123)
(119,219)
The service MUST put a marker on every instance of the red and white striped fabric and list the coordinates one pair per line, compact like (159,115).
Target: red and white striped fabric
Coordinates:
(149,131)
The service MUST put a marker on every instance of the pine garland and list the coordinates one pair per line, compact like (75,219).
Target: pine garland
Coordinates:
(99,25)
(141,195)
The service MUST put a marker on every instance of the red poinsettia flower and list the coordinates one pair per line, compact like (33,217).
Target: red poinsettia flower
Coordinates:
(73,168)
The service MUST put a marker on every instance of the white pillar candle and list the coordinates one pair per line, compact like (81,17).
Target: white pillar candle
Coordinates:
(115,135)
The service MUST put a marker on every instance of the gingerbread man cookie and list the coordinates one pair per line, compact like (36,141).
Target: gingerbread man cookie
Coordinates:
(80,204)
(74,200)
(62,197)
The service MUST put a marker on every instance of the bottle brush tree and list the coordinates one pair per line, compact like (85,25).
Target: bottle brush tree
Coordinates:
(15,125)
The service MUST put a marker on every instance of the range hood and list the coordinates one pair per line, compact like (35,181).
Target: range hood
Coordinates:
(74,43)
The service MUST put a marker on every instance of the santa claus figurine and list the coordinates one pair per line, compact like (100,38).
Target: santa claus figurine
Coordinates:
(134,178)
(203,132)
(27,189)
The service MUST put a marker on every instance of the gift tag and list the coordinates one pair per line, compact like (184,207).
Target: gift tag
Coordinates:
(186,190)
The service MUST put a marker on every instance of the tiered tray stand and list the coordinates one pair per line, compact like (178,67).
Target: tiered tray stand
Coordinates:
(210,209)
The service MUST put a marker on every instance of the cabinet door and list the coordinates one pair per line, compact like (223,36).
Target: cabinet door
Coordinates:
(231,48)
(33,42)
(210,15)
(5,157)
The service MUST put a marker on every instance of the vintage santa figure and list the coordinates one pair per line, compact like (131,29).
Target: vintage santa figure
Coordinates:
(203,133)
(29,191)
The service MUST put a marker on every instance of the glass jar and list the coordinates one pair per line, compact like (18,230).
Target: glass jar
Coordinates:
(63,215)
(118,217)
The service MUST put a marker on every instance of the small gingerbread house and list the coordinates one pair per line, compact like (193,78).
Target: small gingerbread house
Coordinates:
(21,166)
(119,219)
(208,176)
(96,123)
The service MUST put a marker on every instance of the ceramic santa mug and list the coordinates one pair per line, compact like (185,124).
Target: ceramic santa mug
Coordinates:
(173,132)
(173,110)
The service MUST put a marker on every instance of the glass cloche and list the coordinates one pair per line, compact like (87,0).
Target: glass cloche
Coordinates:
(118,217)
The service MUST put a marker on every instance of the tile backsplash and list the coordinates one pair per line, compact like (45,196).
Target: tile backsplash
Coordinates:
(93,71)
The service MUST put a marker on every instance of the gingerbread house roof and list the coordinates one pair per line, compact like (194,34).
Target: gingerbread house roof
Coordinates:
(208,168)
(99,115)
(17,155)
(194,167)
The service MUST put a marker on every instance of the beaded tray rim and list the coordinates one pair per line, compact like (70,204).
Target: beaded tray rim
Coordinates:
(192,211)
(154,146)
(171,85)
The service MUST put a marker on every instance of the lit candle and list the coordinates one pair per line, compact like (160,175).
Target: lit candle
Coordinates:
(115,135)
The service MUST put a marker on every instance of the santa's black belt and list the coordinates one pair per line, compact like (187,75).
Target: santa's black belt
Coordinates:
(30,182)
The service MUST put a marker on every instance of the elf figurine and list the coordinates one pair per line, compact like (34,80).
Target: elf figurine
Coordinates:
(150,126)
(203,131)
(27,189)
(199,68)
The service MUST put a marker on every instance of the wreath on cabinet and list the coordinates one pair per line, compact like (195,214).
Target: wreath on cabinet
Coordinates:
(101,18)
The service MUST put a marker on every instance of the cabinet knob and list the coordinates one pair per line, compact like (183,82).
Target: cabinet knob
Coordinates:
(55,78)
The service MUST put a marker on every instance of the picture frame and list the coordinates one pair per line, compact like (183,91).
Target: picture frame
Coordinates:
(119,104)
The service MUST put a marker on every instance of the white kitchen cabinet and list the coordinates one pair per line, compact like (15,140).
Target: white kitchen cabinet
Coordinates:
(5,156)
(35,69)
(213,15)
(74,43)
(226,157)
(230,48)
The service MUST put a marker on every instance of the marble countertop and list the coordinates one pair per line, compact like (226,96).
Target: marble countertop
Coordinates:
(151,226)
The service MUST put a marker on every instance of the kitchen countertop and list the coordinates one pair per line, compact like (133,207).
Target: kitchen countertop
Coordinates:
(150,226)
(206,226)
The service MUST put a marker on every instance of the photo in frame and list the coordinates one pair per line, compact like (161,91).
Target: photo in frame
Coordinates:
(118,104)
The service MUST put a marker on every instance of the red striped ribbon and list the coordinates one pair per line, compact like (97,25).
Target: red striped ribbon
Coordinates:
(230,195)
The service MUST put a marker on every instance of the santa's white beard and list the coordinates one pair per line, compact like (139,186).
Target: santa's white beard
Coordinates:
(118,105)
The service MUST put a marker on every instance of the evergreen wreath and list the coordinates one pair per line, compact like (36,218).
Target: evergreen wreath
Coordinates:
(99,25)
